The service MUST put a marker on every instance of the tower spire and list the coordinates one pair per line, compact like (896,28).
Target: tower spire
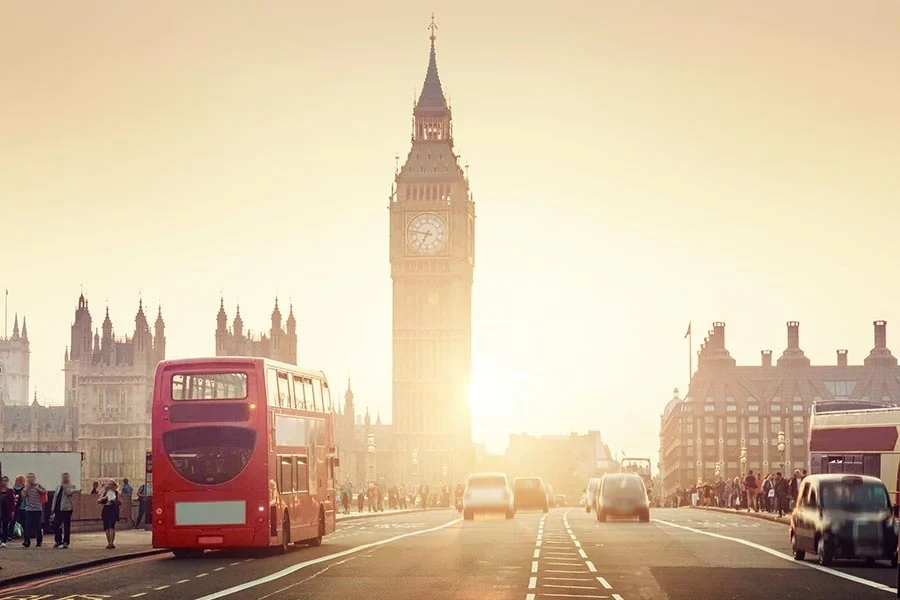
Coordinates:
(432,96)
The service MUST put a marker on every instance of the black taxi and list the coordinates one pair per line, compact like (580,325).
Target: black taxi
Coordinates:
(844,516)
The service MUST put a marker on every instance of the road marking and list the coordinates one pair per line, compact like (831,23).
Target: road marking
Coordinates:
(183,581)
(234,564)
(575,596)
(139,595)
(604,583)
(561,571)
(582,554)
(162,587)
(532,582)
(570,587)
(577,544)
(787,557)
(529,596)
(537,554)
(591,567)
(563,564)
(219,569)
(617,597)
(568,578)
(538,544)
(201,575)
(534,566)
(559,554)
(315,561)
(310,578)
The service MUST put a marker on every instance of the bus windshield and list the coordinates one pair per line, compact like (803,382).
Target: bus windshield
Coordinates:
(209,455)
(209,386)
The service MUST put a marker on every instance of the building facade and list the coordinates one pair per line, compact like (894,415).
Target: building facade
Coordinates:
(109,387)
(37,428)
(15,352)
(280,344)
(432,255)
(730,419)
(365,448)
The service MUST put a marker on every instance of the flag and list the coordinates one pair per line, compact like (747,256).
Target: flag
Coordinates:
(688,332)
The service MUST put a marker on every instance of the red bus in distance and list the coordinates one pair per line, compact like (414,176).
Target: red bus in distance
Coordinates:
(243,455)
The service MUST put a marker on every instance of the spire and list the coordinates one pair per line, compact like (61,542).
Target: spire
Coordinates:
(276,317)
(432,96)
(15,334)
(160,324)
(221,317)
(368,419)
(140,319)
(378,420)
(107,326)
(24,329)
(238,325)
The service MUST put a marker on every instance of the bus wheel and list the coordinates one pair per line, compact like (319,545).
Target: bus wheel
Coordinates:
(317,541)
(285,533)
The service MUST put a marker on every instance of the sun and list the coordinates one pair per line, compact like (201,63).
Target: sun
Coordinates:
(492,400)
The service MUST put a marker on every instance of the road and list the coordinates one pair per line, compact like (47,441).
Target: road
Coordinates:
(680,555)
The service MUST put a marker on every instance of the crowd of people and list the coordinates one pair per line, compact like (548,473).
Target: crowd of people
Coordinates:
(772,493)
(375,496)
(24,504)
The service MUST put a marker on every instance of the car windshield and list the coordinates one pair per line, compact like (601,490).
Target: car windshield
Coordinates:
(622,486)
(528,484)
(866,497)
(477,483)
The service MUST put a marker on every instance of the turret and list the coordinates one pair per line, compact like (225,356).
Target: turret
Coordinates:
(238,326)
(80,343)
(221,328)
(159,337)
(15,334)
(24,329)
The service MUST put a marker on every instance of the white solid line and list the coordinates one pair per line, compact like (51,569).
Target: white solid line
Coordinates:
(562,571)
(571,587)
(582,554)
(532,582)
(567,579)
(604,583)
(781,555)
(537,553)
(617,597)
(591,567)
(563,554)
(574,596)
(314,561)
(563,564)
(534,566)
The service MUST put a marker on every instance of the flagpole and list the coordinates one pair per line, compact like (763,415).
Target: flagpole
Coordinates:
(690,356)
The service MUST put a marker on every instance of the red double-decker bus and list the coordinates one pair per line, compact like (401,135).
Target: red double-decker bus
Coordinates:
(243,455)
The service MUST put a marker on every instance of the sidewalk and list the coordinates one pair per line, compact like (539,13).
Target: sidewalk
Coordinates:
(743,513)
(89,549)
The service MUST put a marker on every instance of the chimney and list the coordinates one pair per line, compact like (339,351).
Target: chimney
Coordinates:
(880,334)
(793,335)
(767,358)
(842,358)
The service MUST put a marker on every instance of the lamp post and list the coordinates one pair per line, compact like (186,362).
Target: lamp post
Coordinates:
(415,462)
(718,470)
(370,449)
(781,448)
(743,460)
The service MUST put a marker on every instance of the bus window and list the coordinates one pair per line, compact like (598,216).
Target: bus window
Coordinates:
(308,392)
(328,406)
(302,478)
(286,475)
(317,390)
(299,400)
(284,391)
(272,385)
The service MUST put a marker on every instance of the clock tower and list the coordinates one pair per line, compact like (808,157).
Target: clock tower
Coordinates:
(432,252)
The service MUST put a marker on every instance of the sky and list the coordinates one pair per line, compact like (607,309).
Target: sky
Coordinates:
(635,166)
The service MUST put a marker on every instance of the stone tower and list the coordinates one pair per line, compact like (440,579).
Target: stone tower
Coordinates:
(15,353)
(432,254)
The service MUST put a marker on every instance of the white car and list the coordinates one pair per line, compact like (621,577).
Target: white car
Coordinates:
(591,496)
(488,492)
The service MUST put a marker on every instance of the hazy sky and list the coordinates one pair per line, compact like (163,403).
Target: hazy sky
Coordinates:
(634,165)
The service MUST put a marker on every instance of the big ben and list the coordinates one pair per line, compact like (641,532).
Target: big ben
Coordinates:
(432,254)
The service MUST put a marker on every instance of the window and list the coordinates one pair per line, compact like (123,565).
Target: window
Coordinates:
(272,385)
(775,408)
(299,400)
(731,408)
(308,392)
(327,393)
(317,390)
(798,425)
(710,399)
(753,407)
(687,408)
(840,389)
(286,475)
(709,442)
(754,441)
(799,442)
(732,442)
(284,391)
(209,386)
(798,408)
(209,455)
(689,427)
(731,428)
(301,479)
(753,425)
(690,451)
(709,408)
(729,399)
(709,426)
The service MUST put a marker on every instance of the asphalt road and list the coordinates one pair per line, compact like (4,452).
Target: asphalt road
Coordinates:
(681,555)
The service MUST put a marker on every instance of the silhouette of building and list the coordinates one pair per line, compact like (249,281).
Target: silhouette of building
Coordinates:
(280,344)
(566,462)
(15,354)
(109,386)
(365,448)
(730,408)
(432,254)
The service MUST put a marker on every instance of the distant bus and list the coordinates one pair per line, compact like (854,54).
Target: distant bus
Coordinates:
(862,441)
(243,455)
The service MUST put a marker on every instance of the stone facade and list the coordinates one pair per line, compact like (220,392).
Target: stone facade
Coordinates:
(37,428)
(109,388)
(280,344)
(365,449)
(14,365)
(432,255)
(729,407)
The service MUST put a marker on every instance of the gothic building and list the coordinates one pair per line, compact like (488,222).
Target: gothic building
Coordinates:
(14,365)
(109,386)
(280,344)
(365,448)
(432,255)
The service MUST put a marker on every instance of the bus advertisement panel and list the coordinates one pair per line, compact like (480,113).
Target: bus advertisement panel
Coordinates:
(243,455)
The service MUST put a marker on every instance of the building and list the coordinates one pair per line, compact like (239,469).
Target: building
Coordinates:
(109,387)
(432,255)
(566,462)
(33,428)
(734,417)
(365,449)
(280,344)
(14,365)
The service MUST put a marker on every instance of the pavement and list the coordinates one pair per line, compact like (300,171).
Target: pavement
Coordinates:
(89,550)
(756,515)
(566,553)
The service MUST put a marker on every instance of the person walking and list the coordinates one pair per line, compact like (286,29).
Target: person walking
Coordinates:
(752,495)
(7,511)
(62,512)
(110,513)
(142,493)
(782,492)
(35,499)
(19,489)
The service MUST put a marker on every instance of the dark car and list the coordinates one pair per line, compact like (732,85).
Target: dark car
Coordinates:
(844,516)
(622,495)
(530,493)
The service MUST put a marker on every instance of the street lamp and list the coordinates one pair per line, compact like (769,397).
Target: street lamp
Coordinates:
(718,470)
(743,459)
(781,448)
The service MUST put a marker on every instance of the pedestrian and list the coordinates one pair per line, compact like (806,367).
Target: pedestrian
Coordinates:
(126,487)
(19,489)
(752,495)
(143,492)
(62,512)
(360,499)
(782,491)
(95,489)
(7,511)
(110,513)
(35,499)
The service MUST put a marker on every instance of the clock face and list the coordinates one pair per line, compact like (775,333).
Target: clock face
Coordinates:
(427,233)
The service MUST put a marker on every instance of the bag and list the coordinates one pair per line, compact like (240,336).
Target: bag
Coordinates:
(44,498)
(18,531)
(771,493)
